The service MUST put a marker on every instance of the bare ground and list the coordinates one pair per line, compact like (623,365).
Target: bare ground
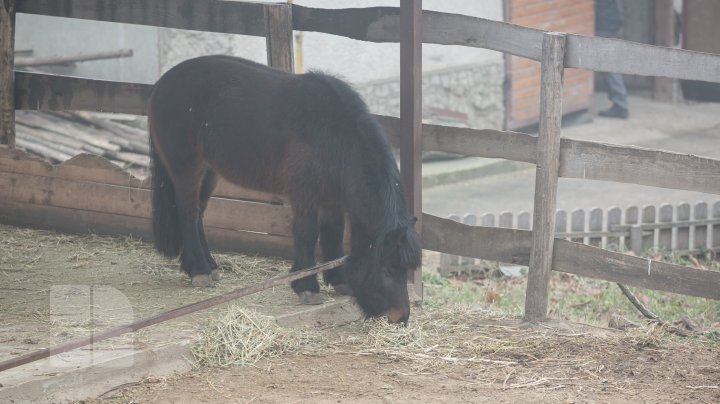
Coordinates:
(447,354)
(517,364)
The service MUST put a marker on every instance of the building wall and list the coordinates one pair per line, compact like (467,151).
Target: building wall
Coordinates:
(523,97)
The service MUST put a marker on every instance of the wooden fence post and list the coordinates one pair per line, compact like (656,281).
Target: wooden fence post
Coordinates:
(411,114)
(7,75)
(279,36)
(546,177)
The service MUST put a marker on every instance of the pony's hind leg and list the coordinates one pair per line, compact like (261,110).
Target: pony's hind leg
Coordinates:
(305,236)
(193,259)
(332,228)
(208,186)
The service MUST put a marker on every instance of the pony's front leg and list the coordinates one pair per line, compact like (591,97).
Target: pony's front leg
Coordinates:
(332,229)
(305,235)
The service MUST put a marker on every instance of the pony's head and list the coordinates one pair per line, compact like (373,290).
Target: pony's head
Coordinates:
(377,274)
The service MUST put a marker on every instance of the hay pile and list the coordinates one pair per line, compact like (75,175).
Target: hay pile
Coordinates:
(240,336)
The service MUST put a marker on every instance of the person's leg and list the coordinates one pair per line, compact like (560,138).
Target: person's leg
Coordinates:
(617,92)
(615,85)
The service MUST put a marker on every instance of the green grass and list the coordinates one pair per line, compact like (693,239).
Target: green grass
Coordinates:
(574,298)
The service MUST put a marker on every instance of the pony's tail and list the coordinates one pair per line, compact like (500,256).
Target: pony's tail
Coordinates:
(165,219)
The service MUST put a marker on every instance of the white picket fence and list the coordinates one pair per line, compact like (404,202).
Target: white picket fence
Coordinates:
(683,229)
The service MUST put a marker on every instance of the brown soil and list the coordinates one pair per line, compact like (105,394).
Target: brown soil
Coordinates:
(449,354)
(582,368)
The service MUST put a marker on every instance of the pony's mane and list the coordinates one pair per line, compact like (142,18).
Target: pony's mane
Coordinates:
(387,206)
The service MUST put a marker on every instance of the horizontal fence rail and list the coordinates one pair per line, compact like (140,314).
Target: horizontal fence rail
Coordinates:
(382,24)
(578,159)
(227,17)
(682,229)
(513,246)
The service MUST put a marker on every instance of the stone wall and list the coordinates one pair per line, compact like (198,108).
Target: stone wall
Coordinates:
(470,95)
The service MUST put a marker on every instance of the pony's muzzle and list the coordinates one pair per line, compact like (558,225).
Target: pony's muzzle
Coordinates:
(397,315)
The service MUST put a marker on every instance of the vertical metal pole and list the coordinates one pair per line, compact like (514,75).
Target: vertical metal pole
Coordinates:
(411,114)
(546,178)
(279,36)
(7,75)
(665,88)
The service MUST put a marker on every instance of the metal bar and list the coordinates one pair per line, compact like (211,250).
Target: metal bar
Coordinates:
(411,114)
(168,315)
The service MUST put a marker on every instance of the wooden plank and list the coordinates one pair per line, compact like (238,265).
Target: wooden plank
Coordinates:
(7,82)
(449,260)
(46,92)
(505,220)
(502,245)
(716,227)
(577,224)
(91,168)
(513,246)
(595,223)
(279,36)
(470,220)
(598,161)
(411,116)
(212,16)
(469,142)
(381,24)
(593,262)
(546,179)
(648,236)
(561,221)
(700,211)
(665,215)
(683,232)
(579,159)
(82,221)
(632,219)
(135,202)
(615,55)
(524,221)
(614,217)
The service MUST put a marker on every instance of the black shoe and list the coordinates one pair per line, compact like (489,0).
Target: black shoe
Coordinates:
(615,112)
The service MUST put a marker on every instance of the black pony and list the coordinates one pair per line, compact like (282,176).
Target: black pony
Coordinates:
(309,137)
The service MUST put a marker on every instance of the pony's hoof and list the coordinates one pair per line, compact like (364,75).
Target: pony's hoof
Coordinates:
(308,297)
(342,289)
(201,281)
(215,275)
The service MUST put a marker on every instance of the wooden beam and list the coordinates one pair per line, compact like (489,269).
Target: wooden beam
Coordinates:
(381,24)
(664,88)
(637,165)
(227,17)
(513,246)
(279,36)
(7,80)
(548,165)
(44,92)
(411,113)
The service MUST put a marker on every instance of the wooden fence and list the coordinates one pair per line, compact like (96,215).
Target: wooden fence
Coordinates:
(35,193)
(685,229)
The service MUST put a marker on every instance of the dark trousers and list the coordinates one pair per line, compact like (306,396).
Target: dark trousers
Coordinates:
(617,92)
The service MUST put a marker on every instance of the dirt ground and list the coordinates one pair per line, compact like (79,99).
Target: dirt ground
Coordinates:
(463,353)
(532,366)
